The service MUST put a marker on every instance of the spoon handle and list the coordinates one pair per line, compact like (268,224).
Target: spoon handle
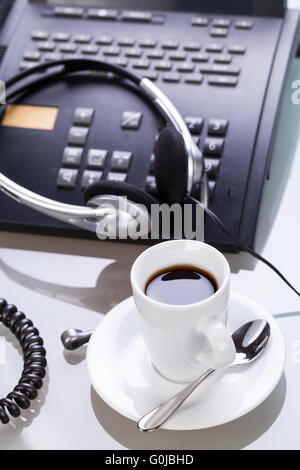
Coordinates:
(155,418)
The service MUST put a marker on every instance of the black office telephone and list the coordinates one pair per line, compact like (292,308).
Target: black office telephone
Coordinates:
(223,65)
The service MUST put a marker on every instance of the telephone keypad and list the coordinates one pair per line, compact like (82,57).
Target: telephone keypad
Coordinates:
(153,55)
(96,160)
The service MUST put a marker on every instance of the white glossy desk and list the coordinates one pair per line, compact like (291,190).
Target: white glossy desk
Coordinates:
(62,283)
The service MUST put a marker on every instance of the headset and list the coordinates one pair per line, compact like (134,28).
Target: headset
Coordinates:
(179,165)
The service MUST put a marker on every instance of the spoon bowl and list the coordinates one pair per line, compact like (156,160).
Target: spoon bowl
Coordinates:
(250,341)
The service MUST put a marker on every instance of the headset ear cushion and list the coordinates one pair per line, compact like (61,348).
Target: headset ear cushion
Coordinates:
(171,166)
(115,188)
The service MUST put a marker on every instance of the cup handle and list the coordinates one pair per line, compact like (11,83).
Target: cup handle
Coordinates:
(222,350)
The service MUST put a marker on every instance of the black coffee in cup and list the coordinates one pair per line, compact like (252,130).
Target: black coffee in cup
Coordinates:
(181,285)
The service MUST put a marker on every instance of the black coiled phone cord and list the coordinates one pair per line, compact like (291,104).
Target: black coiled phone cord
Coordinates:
(35,362)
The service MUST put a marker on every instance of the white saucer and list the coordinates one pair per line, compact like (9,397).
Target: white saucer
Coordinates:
(123,376)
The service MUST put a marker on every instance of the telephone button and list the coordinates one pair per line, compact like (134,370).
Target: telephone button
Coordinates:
(72,156)
(101,14)
(40,35)
(83,116)
(137,16)
(96,158)
(47,46)
(78,135)
(222,80)
(120,160)
(212,167)
(211,189)
(32,55)
(152,164)
(131,120)
(244,24)
(151,186)
(199,21)
(194,124)
(237,49)
(221,23)
(213,147)
(90,177)
(67,178)
(61,37)
(219,32)
(69,12)
(119,177)
(218,127)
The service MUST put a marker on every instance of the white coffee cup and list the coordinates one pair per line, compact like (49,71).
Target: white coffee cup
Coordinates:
(184,340)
